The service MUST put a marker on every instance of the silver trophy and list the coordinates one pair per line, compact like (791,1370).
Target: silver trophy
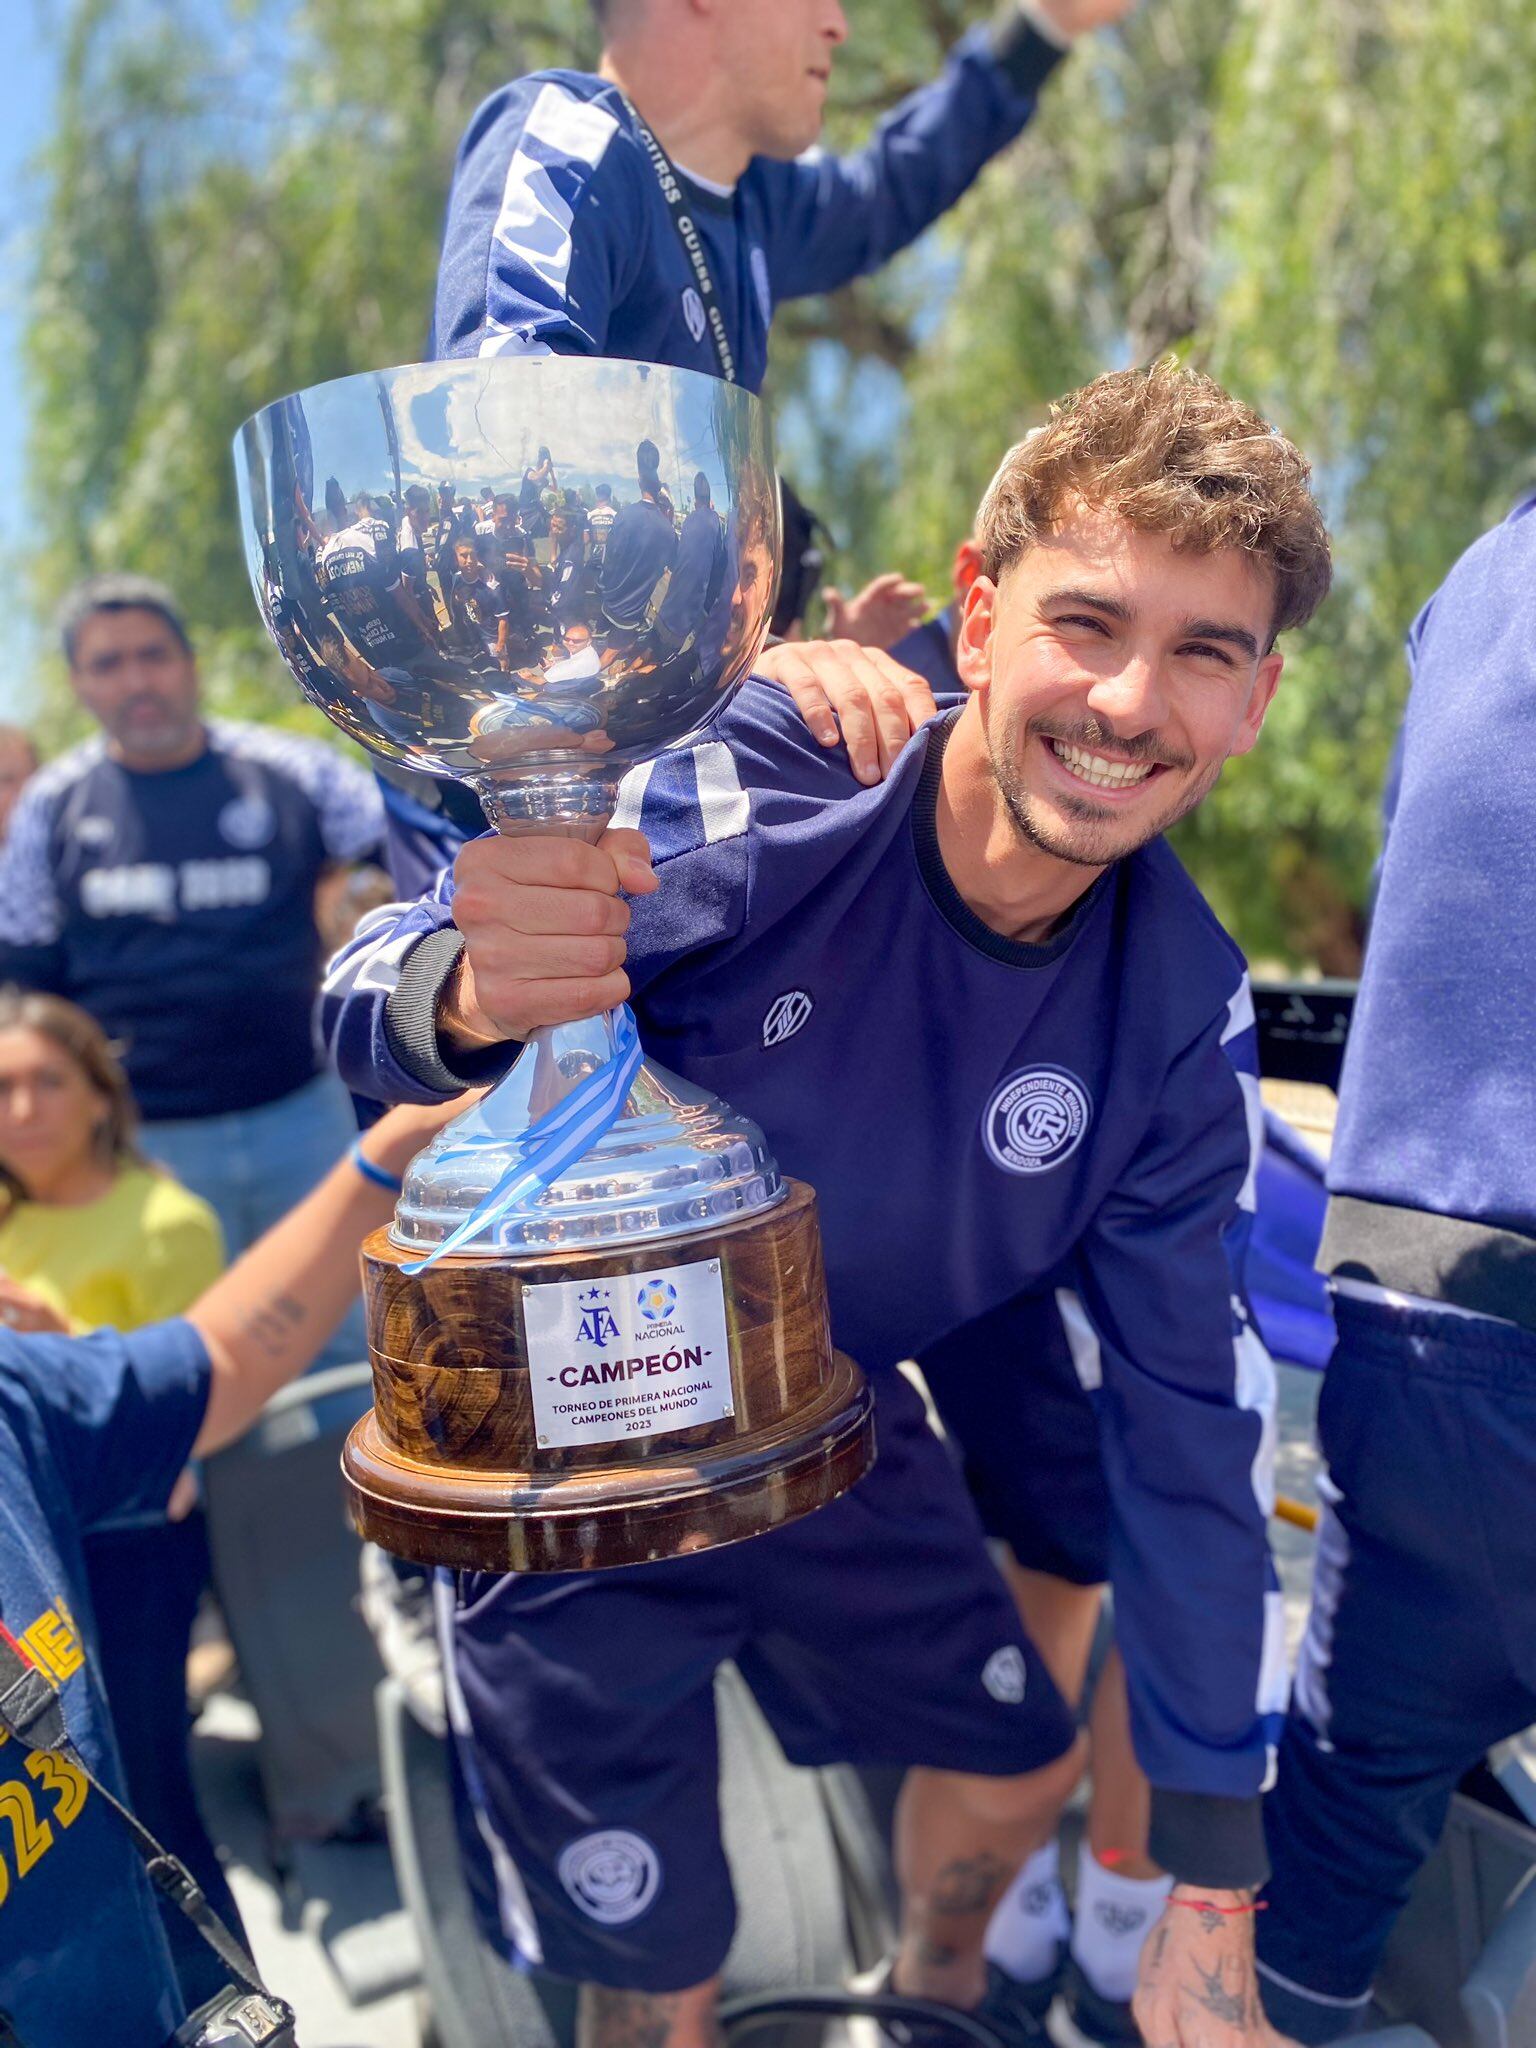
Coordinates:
(532,576)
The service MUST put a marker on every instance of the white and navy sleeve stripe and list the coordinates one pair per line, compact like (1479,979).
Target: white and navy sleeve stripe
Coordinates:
(30,911)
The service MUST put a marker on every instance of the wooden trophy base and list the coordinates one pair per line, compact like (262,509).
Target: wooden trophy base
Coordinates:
(486,1451)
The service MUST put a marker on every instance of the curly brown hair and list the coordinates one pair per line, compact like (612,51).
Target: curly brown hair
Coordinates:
(1169,451)
(78,1035)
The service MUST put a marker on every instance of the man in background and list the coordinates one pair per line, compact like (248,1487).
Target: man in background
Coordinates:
(163,876)
(1420,1652)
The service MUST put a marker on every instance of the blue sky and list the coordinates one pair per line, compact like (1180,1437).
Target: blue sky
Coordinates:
(26,109)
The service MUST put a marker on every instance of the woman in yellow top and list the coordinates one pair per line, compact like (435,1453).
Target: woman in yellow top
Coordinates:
(90,1236)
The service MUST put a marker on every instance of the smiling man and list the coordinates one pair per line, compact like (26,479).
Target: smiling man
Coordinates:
(982,1009)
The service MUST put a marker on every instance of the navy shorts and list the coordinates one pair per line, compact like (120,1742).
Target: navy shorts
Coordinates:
(877,1631)
(1012,1399)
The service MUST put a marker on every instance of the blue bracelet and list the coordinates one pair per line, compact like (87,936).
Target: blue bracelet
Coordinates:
(377,1174)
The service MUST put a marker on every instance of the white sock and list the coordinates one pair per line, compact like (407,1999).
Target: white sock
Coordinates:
(1029,1922)
(1112,1917)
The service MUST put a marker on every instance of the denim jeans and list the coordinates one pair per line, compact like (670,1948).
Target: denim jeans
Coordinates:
(253,1165)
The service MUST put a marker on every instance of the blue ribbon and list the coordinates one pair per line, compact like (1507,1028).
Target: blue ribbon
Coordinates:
(553,1142)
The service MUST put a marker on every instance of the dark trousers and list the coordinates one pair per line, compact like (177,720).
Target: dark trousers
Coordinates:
(1421,1646)
(145,1586)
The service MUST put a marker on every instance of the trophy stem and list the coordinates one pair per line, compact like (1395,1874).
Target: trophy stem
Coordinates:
(570,806)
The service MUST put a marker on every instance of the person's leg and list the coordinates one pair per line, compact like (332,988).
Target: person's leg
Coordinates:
(584,1718)
(1420,1647)
(648,2019)
(883,1633)
(960,1839)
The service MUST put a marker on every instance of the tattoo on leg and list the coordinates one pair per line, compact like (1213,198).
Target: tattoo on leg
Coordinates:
(935,1955)
(969,1885)
(626,2019)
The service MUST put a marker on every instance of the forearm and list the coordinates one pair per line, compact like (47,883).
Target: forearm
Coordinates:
(266,1319)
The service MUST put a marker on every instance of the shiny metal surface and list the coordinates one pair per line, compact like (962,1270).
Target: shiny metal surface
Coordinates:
(530,574)
(677,1159)
(526,573)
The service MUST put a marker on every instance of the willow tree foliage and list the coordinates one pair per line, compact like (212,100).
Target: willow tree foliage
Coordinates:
(1333,208)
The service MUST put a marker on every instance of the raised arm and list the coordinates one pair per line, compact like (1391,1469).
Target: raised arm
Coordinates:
(834,218)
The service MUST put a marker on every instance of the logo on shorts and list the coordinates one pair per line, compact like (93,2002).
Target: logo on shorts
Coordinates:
(612,1875)
(247,822)
(693,313)
(1004,1674)
(786,1016)
(1036,1119)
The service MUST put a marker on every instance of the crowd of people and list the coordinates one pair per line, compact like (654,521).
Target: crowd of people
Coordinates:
(1041,1176)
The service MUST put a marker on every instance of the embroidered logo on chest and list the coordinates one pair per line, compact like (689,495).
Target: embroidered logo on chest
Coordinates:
(693,313)
(1036,1119)
(786,1015)
(247,822)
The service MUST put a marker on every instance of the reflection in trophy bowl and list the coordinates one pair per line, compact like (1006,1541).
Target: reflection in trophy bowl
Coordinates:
(527,573)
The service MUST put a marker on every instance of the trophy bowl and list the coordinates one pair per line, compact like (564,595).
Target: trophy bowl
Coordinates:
(598,1323)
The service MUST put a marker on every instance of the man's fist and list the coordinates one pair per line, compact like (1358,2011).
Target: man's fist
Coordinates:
(543,925)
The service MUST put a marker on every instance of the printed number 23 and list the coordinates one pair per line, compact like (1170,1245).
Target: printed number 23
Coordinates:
(30,1836)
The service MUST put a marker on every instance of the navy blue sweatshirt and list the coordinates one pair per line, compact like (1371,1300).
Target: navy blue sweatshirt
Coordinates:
(974,1114)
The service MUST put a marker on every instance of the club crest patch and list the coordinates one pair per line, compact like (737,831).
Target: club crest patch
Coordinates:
(247,822)
(612,1875)
(1004,1675)
(786,1015)
(1036,1119)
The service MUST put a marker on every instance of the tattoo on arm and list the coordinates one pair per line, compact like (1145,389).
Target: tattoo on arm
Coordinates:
(969,1885)
(272,1325)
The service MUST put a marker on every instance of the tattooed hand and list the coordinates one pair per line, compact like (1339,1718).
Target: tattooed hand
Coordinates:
(1198,1987)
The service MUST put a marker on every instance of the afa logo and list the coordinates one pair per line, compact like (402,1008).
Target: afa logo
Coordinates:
(787,1014)
(596,1324)
(612,1875)
(694,314)
(655,1299)
(1036,1120)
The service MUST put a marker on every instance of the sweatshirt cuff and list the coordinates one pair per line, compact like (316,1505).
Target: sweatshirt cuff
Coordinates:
(410,1022)
(1202,1838)
(1025,56)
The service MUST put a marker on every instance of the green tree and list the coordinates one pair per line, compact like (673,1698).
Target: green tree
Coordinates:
(1334,209)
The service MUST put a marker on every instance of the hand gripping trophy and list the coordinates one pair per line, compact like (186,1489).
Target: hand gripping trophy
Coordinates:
(598,1324)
